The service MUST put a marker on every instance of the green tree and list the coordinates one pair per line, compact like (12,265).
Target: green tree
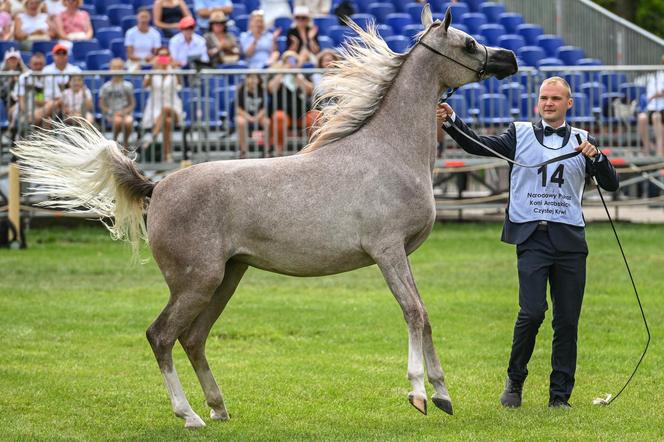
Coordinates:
(648,14)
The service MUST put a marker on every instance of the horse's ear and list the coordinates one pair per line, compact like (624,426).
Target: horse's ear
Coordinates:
(448,18)
(427,18)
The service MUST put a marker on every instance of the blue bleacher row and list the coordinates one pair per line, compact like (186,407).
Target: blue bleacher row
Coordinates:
(397,22)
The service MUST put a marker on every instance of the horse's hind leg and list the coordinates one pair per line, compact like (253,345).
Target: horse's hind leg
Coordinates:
(393,262)
(188,298)
(193,339)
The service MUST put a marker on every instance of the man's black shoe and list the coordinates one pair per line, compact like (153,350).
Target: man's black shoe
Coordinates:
(559,403)
(511,397)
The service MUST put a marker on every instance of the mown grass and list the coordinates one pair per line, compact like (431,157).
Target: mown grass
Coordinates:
(319,358)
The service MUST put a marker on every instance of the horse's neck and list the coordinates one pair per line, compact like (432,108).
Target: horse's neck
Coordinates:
(407,117)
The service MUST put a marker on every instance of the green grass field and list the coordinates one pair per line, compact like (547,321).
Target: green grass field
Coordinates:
(321,358)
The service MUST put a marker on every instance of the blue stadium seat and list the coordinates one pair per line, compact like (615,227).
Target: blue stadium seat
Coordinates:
(90,9)
(415,11)
(589,62)
(458,9)
(128,22)
(238,10)
(492,31)
(209,112)
(118,48)
(98,60)
(436,6)
(492,10)
(550,61)
(224,97)
(460,106)
(580,112)
(480,39)
(140,97)
(575,79)
(632,91)
(606,104)
(528,108)
(398,43)
(380,10)
(398,20)
(472,93)
(102,5)
(43,47)
(282,43)
(362,5)
(612,80)
(117,12)
(513,91)
(385,31)
(570,54)
(473,21)
(324,22)
(411,31)
(491,85)
(494,109)
(474,5)
(140,4)
(460,27)
(530,33)
(100,21)
(251,5)
(531,55)
(4,121)
(106,35)
(594,91)
(325,42)
(339,33)
(511,20)
(513,42)
(284,23)
(550,43)
(363,20)
(6,45)
(242,22)
(81,48)
(93,83)
(25,56)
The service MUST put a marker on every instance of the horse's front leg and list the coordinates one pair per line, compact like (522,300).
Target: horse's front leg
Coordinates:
(393,262)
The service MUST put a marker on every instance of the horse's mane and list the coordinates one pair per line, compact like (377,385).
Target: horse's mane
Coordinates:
(355,86)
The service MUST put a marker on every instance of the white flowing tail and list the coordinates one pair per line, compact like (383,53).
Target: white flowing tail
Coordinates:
(80,171)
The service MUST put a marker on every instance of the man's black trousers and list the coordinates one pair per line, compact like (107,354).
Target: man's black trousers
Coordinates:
(539,262)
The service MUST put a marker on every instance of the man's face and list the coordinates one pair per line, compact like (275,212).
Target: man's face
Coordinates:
(143,19)
(553,102)
(60,58)
(37,63)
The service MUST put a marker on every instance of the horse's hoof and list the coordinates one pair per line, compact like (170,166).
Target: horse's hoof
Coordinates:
(444,404)
(193,422)
(419,403)
(219,415)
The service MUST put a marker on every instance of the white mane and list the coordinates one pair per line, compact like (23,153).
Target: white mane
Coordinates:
(355,86)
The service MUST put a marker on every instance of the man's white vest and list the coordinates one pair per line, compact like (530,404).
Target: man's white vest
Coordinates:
(549,193)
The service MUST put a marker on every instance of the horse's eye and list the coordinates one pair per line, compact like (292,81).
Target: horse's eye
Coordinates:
(471,46)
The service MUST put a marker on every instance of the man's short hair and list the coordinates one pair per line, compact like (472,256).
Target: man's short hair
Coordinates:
(561,81)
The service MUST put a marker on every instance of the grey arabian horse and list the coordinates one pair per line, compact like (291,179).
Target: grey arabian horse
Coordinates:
(359,194)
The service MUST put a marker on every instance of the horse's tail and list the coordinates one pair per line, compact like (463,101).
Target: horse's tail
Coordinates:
(80,171)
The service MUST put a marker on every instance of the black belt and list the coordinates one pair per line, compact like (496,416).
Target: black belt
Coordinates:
(542,225)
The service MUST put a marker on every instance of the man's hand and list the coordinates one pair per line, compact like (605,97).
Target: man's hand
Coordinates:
(443,112)
(588,150)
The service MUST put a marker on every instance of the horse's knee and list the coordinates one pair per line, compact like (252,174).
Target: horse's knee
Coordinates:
(414,316)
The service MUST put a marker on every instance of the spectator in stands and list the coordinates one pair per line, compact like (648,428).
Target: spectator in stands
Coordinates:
(163,108)
(290,93)
(654,114)
(303,36)
(6,22)
(116,101)
(325,60)
(250,114)
(32,25)
(141,41)
(77,101)
(221,45)
(55,84)
(188,47)
(8,90)
(258,45)
(316,7)
(273,9)
(30,92)
(168,13)
(205,9)
(73,23)
(54,7)
(15,7)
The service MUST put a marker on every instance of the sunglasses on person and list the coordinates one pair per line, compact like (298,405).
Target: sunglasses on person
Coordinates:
(190,28)
(301,17)
(61,53)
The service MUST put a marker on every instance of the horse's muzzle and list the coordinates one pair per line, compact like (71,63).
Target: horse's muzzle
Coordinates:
(502,63)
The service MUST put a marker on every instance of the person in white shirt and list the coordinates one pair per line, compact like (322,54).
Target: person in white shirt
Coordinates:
(55,84)
(654,114)
(141,41)
(77,101)
(30,92)
(187,46)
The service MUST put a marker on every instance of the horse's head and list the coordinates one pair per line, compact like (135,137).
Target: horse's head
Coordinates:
(469,60)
